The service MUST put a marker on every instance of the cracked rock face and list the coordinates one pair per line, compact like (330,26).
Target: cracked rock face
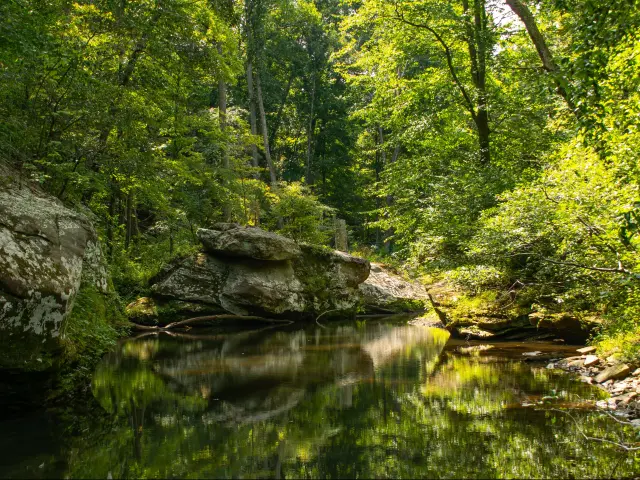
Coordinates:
(45,249)
(247,271)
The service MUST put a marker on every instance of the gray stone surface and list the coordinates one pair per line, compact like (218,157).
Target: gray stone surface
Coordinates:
(613,373)
(385,291)
(312,281)
(46,250)
(247,242)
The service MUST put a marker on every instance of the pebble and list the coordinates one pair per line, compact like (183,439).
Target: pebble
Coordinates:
(636,372)
(551,365)
(619,387)
(591,360)
(586,350)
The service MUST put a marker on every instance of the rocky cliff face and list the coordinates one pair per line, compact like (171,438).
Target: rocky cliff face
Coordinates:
(247,271)
(46,252)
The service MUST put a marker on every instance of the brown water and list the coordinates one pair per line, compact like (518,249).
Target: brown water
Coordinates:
(358,399)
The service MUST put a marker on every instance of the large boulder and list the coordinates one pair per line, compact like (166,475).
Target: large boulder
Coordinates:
(386,292)
(46,252)
(247,271)
(249,242)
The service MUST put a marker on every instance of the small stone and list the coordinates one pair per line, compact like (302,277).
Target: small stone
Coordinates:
(575,363)
(626,399)
(636,372)
(551,365)
(601,404)
(614,372)
(576,357)
(531,354)
(588,380)
(619,387)
(591,360)
(586,350)
(635,422)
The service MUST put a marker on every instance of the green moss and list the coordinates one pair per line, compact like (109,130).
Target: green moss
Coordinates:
(91,329)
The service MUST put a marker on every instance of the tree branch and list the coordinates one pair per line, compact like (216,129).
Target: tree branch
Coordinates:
(447,51)
(620,269)
(597,439)
(546,57)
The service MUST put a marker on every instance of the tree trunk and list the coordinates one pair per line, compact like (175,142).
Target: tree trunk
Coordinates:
(129,220)
(548,62)
(222,111)
(276,125)
(265,133)
(252,113)
(341,235)
(310,129)
(476,33)
(110,220)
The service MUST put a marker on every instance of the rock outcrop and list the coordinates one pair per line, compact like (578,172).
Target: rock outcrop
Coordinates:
(385,292)
(229,239)
(46,252)
(247,271)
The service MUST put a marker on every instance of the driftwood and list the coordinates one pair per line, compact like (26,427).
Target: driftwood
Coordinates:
(208,318)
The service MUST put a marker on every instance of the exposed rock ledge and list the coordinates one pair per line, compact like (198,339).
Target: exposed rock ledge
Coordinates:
(248,271)
(46,252)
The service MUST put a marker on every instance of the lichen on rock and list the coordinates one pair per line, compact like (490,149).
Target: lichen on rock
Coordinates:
(47,253)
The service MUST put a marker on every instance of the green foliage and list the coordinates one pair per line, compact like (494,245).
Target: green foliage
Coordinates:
(91,329)
(302,216)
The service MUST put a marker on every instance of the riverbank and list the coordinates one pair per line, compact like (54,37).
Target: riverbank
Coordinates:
(620,380)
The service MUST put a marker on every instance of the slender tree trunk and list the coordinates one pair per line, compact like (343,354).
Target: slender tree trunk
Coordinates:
(310,129)
(546,57)
(129,220)
(476,33)
(222,110)
(265,132)
(110,220)
(276,125)
(252,113)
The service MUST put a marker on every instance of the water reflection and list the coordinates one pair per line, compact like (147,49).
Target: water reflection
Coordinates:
(367,400)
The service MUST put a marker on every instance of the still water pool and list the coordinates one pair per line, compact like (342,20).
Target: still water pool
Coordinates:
(365,399)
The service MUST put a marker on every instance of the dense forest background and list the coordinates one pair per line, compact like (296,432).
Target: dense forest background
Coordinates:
(492,144)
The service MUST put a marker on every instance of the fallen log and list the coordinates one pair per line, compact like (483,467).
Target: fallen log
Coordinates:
(205,319)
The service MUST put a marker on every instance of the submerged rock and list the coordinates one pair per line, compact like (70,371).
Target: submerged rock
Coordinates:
(46,252)
(247,271)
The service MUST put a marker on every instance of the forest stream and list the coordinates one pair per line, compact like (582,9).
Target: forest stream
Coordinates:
(372,398)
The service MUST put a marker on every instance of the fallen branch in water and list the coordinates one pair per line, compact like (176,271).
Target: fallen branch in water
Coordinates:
(623,446)
(208,318)
(324,313)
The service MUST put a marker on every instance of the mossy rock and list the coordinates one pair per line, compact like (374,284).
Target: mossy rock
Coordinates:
(571,327)
(143,311)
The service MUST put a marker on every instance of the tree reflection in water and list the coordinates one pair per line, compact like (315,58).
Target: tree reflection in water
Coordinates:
(372,400)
